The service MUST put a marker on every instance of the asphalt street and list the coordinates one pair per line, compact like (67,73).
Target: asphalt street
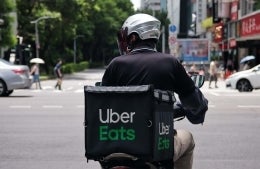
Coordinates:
(42,129)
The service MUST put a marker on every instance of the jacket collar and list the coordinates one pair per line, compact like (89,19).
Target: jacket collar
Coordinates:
(142,49)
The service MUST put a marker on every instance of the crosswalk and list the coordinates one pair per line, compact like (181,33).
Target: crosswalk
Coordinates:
(214,95)
(78,88)
(51,89)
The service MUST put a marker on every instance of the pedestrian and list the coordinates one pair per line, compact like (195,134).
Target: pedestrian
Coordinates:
(213,70)
(202,71)
(247,65)
(193,69)
(35,72)
(58,74)
(141,64)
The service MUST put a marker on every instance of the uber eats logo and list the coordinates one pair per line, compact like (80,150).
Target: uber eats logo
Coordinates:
(121,132)
(163,142)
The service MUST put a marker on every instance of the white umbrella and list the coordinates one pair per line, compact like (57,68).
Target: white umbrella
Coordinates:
(37,60)
(247,58)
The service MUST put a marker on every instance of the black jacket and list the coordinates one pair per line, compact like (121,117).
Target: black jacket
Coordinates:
(145,66)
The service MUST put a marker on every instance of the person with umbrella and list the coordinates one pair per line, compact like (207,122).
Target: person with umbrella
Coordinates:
(35,71)
(248,62)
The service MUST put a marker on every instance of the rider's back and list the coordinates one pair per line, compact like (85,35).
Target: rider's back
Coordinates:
(148,67)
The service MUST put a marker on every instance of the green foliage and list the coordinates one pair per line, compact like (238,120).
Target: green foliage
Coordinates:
(97,20)
(95,65)
(71,67)
(7,36)
(257,5)
(7,6)
(107,18)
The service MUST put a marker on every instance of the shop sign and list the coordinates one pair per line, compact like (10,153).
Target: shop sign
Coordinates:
(250,25)
(223,46)
(234,9)
(224,9)
(232,43)
(207,23)
(200,15)
(216,19)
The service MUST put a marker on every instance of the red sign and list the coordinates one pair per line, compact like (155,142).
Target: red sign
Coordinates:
(232,43)
(250,25)
(233,11)
(223,46)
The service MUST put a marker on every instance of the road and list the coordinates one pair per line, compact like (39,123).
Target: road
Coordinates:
(42,129)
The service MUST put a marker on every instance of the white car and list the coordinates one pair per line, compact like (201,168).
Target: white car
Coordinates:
(245,81)
(13,77)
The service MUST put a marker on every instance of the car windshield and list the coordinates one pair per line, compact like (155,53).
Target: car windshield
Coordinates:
(4,62)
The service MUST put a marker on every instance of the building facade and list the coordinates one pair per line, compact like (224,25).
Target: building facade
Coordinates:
(234,26)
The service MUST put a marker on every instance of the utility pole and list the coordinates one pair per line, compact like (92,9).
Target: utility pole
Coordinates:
(75,46)
(163,39)
(37,43)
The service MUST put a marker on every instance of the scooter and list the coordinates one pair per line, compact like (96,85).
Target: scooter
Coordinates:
(129,161)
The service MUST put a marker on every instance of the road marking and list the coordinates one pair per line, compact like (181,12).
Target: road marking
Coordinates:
(48,87)
(80,106)
(52,106)
(79,91)
(21,107)
(248,106)
(210,105)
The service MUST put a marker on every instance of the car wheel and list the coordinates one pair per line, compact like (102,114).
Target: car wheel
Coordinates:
(9,92)
(244,85)
(3,88)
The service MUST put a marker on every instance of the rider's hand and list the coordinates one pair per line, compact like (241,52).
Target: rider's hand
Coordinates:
(198,118)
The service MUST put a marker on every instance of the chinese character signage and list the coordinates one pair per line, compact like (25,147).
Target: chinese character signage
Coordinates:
(250,25)
(234,10)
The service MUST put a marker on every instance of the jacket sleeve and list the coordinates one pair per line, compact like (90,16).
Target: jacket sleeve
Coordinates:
(108,78)
(195,106)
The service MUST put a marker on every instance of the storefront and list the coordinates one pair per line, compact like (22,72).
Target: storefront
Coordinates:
(249,36)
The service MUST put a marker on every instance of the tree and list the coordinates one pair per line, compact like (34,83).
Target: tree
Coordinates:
(107,17)
(97,20)
(55,34)
(257,5)
(7,37)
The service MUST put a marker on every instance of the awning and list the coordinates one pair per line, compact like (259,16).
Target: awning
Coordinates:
(254,37)
(206,23)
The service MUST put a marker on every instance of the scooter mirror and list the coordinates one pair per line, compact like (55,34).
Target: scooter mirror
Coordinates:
(98,84)
(198,80)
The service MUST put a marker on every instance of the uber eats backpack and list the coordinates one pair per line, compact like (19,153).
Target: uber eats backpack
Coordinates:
(136,120)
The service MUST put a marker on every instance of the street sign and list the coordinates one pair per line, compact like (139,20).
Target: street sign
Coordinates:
(172,39)
(172,28)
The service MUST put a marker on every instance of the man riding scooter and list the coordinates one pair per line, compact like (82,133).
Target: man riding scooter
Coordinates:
(141,64)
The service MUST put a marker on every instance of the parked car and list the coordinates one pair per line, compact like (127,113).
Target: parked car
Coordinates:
(13,77)
(245,81)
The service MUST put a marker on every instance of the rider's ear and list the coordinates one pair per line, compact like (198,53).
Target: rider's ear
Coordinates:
(133,38)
